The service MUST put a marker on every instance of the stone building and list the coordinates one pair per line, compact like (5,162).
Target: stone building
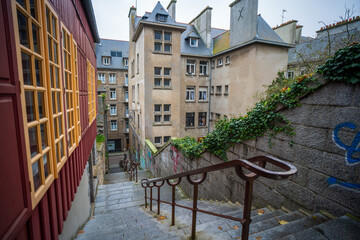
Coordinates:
(112,69)
(184,77)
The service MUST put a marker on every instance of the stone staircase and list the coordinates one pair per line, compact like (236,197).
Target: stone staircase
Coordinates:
(120,214)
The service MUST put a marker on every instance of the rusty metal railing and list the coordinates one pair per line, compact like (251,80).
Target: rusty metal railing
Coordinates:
(256,170)
(133,171)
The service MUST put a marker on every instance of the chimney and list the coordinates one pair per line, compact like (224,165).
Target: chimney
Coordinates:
(298,34)
(171,8)
(288,31)
(202,23)
(243,21)
(131,16)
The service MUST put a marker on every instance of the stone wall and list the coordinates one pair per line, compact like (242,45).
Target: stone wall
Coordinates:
(325,149)
(99,168)
(100,115)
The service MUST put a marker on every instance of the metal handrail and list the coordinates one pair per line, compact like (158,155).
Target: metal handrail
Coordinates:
(133,170)
(256,170)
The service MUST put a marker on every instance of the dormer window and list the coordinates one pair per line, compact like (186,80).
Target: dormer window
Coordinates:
(194,42)
(126,62)
(161,18)
(106,60)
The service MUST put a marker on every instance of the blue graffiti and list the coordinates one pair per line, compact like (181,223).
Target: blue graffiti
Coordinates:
(353,148)
(334,181)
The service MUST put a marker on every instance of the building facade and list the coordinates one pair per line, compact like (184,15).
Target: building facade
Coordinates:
(185,77)
(112,67)
(48,108)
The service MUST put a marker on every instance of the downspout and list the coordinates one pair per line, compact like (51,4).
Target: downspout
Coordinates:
(210,75)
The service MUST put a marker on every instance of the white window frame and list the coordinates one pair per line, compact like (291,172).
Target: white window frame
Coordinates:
(169,108)
(113,125)
(106,61)
(202,67)
(227,60)
(112,92)
(169,118)
(203,94)
(155,108)
(113,110)
(157,138)
(190,65)
(101,77)
(190,94)
(126,79)
(126,96)
(126,62)
(157,116)
(112,77)
(196,42)
(219,62)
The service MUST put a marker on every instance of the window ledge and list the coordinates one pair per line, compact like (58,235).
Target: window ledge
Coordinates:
(202,126)
(190,74)
(190,101)
(162,88)
(217,93)
(189,128)
(161,124)
(219,65)
(226,94)
(227,63)
(203,101)
(203,75)
(163,53)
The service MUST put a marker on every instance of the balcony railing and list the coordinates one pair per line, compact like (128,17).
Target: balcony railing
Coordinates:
(256,170)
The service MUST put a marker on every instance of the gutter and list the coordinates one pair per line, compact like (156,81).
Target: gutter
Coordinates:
(90,16)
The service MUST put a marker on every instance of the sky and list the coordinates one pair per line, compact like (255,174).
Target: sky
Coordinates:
(113,23)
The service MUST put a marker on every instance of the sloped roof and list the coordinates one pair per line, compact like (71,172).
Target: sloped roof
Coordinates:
(201,49)
(105,47)
(265,32)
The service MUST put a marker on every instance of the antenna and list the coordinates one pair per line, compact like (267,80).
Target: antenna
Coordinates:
(282,15)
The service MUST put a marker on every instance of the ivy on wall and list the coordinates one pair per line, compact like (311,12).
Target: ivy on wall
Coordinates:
(264,118)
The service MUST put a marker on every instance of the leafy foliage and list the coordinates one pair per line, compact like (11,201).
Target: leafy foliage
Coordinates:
(264,118)
(100,138)
(344,66)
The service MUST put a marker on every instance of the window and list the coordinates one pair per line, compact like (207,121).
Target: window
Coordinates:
(211,116)
(157,107)
(157,82)
(190,119)
(158,47)
(227,60)
(226,90)
(203,68)
(113,125)
(101,77)
(126,62)
(126,96)
(167,107)
(91,92)
(161,18)
(190,93)
(202,119)
(167,47)
(157,140)
(193,42)
(203,94)
(126,111)
(127,126)
(167,71)
(217,116)
(212,90)
(290,74)
(133,93)
(138,92)
(106,61)
(158,35)
(167,118)
(115,54)
(126,80)
(190,67)
(166,138)
(218,89)
(112,78)
(219,62)
(213,63)
(112,93)
(137,64)
(167,82)
(113,110)
(157,70)
(167,36)
(157,118)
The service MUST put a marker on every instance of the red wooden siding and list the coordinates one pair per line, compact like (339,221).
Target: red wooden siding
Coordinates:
(46,220)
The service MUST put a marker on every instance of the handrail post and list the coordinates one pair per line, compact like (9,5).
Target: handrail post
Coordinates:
(136,172)
(158,201)
(193,223)
(247,208)
(145,197)
(151,198)
(173,207)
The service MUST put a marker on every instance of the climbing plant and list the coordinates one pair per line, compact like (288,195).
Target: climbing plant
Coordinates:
(264,117)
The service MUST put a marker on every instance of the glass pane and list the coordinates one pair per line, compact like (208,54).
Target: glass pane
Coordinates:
(43,136)
(38,75)
(36,40)
(36,175)
(57,77)
(41,105)
(53,103)
(30,108)
(50,47)
(53,27)
(33,142)
(60,125)
(26,67)
(33,9)
(58,155)
(55,52)
(58,102)
(23,30)
(66,80)
(46,165)
(61,148)
(48,20)
(51,76)
(22,3)
(55,129)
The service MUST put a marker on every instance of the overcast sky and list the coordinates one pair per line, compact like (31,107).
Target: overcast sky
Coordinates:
(113,23)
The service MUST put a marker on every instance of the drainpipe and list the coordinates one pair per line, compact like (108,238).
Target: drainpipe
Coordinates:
(210,76)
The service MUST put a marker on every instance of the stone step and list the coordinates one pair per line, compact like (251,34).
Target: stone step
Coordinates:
(118,206)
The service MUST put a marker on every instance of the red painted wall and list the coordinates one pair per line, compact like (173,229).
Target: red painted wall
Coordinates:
(18,220)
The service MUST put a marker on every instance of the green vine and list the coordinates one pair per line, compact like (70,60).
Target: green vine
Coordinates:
(264,118)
